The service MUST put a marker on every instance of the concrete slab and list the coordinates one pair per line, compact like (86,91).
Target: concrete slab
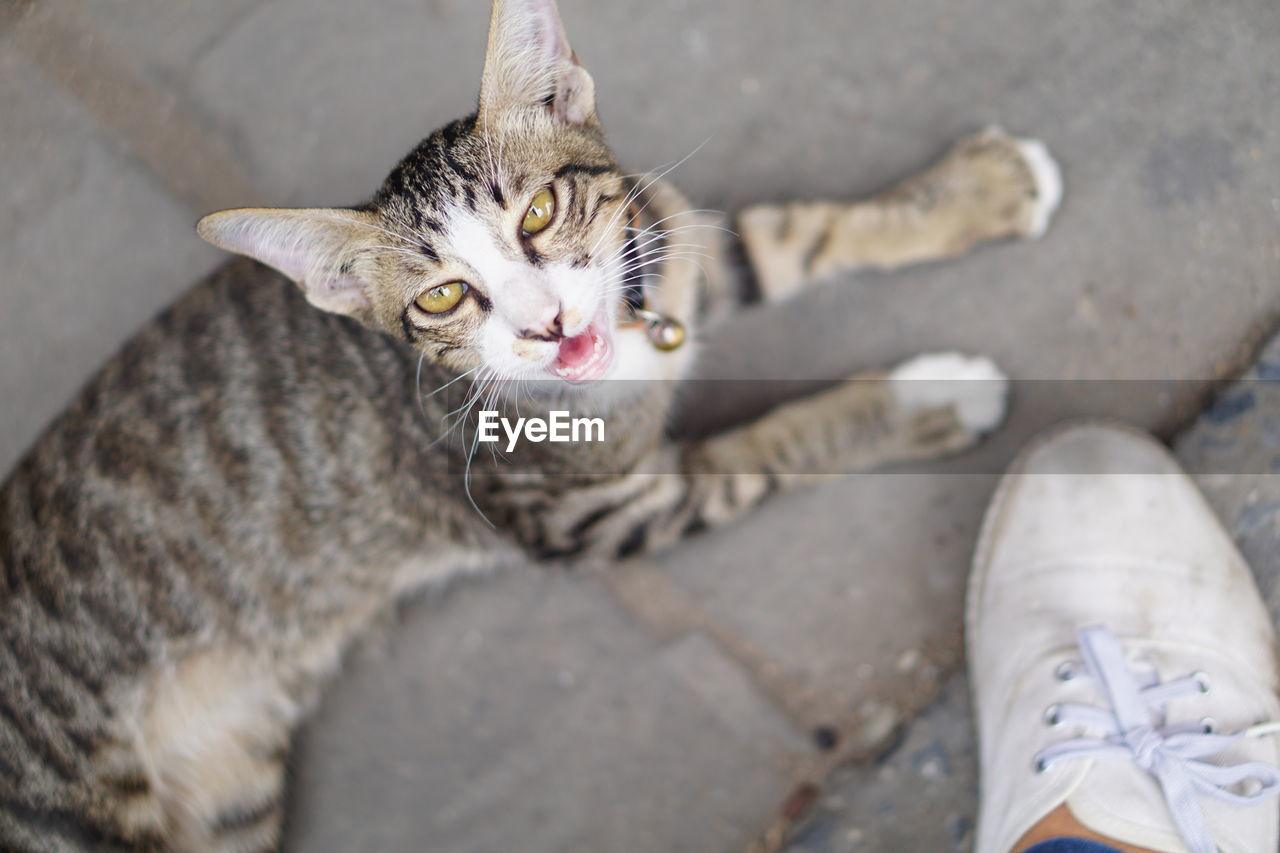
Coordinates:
(324,99)
(91,246)
(530,713)
(817,612)
(167,136)
(165,37)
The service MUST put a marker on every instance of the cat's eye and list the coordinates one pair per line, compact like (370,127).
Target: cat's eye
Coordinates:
(442,298)
(541,211)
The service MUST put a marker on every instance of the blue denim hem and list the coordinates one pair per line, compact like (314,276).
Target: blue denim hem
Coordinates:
(1071,845)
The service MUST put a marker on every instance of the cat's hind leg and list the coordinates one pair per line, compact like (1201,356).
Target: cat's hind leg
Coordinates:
(189,761)
(216,731)
(988,186)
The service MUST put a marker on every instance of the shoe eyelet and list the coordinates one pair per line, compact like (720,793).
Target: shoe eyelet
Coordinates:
(1040,765)
(1066,671)
(1203,680)
(1052,717)
(1209,724)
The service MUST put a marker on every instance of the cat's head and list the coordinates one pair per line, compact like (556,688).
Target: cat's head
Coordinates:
(501,244)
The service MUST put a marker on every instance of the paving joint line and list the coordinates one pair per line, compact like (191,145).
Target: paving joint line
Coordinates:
(172,142)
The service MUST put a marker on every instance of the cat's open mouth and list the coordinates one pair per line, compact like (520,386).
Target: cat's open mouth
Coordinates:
(586,357)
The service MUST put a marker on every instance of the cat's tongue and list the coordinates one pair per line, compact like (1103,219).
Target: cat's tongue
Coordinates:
(585,357)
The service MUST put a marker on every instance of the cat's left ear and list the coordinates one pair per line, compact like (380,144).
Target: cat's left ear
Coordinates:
(530,65)
(315,248)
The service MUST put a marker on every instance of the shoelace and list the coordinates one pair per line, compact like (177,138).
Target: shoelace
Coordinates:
(1169,753)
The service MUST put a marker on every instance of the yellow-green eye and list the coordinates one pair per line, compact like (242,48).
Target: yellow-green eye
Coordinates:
(444,298)
(541,211)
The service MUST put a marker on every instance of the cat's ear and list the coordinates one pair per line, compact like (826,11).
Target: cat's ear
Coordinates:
(530,64)
(313,247)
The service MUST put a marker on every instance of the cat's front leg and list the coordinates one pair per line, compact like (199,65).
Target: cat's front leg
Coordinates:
(988,186)
(931,406)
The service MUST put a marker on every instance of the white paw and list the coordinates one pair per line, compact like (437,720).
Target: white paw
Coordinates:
(973,386)
(1048,178)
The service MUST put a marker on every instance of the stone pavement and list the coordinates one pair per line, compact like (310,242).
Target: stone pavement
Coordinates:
(679,702)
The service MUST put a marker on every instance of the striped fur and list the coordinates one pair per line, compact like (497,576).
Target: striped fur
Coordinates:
(250,482)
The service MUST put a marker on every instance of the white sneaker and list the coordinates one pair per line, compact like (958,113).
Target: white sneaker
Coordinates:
(1111,624)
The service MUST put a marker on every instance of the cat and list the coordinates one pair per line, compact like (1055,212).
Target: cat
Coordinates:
(252,480)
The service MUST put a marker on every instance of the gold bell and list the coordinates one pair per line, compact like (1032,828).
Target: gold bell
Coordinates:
(665,333)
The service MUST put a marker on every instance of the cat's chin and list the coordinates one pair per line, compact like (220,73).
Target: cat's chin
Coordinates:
(585,358)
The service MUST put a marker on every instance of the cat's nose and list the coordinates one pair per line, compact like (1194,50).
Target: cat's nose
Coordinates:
(551,331)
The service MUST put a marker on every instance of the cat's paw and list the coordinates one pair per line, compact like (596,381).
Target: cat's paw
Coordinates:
(1021,181)
(973,387)
(1047,177)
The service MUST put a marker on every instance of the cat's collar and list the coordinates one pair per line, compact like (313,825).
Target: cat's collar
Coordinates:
(639,260)
(665,333)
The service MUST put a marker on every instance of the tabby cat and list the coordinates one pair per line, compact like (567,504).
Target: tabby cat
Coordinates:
(187,551)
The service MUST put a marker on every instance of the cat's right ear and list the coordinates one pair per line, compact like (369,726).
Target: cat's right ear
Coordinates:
(530,65)
(315,248)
